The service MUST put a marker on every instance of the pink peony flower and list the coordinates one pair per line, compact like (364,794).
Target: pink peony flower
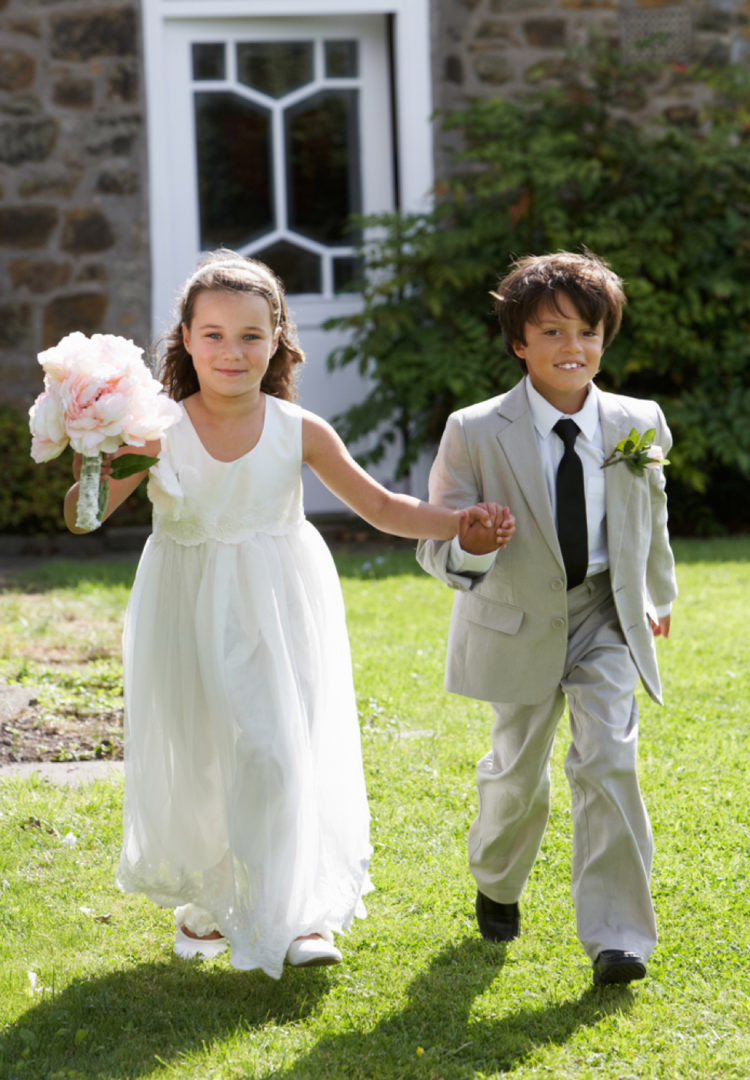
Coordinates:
(102,394)
(49,437)
(99,408)
(58,361)
(149,418)
(98,395)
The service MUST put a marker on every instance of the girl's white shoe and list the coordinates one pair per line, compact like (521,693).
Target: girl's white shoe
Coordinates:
(312,952)
(188,947)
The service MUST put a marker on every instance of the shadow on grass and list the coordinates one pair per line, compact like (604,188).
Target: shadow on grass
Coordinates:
(72,573)
(436,1035)
(126,1023)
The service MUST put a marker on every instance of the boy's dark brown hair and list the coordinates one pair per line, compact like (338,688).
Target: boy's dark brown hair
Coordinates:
(225,270)
(594,290)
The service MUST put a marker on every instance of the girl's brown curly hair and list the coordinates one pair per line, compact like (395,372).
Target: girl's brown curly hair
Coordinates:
(226,270)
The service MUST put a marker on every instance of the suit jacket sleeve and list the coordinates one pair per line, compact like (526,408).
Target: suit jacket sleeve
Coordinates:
(454,484)
(660,571)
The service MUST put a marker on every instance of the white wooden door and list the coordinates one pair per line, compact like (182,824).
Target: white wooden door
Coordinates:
(266,133)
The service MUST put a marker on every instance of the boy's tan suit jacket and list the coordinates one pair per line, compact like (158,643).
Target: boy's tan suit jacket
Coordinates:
(508,631)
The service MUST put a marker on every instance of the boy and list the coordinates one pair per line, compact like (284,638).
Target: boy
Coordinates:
(562,612)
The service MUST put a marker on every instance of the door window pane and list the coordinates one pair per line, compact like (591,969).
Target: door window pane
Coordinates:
(342,59)
(208,61)
(278,147)
(233,138)
(275,67)
(324,186)
(298,268)
(348,272)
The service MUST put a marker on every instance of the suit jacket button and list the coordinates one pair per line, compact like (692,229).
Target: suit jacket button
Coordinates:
(558,624)
(556,584)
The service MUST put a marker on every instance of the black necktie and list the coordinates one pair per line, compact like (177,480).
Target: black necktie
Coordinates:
(571,506)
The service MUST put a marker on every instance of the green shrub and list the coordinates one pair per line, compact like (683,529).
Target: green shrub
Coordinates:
(667,205)
(31,495)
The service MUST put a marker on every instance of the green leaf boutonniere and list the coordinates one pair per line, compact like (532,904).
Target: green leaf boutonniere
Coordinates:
(638,452)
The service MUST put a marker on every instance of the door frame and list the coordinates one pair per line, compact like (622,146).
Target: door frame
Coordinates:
(412,108)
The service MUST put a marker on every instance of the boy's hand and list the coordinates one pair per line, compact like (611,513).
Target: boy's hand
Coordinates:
(485,528)
(661,627)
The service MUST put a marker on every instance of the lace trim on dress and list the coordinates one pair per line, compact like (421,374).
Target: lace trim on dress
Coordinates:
(173,493)
(192,533)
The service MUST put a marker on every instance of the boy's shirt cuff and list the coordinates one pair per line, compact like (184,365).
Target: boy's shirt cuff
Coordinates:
(663,610)
(460,561)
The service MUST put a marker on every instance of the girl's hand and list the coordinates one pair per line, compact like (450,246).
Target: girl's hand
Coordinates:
(507,526)
(106,466)
(118,489)
(485,528)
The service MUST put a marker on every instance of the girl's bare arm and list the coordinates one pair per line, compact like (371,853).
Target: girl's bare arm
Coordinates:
(401,515)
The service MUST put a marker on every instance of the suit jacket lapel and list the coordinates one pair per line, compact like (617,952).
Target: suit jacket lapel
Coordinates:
(517,439)
(618,478)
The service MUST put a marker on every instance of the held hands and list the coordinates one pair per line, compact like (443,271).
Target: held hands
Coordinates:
(485,528)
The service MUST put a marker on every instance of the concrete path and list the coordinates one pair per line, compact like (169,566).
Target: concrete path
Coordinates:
(73,773)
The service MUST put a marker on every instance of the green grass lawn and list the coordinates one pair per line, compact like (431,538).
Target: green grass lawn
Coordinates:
(88,984)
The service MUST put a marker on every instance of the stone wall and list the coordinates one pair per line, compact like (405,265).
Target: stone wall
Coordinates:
(73,186)
(505,47)
(74,234)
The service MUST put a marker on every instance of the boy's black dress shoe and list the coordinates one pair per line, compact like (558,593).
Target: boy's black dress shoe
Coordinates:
(616,966)
(497,922)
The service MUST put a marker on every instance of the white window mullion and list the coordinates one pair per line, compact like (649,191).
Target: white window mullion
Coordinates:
(279,169)
(230,60)
(319,61)
(327,275)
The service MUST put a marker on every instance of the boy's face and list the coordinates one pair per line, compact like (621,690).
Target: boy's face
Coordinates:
(562,354)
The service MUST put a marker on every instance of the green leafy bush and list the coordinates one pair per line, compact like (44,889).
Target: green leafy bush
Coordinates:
(31,495)
(666,204)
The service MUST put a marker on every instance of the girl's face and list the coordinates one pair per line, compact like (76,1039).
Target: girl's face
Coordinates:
(231,340)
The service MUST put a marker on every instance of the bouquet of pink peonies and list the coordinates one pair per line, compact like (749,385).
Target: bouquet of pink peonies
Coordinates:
(98,395)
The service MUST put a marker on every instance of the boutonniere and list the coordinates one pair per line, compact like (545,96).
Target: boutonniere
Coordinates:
(638,452)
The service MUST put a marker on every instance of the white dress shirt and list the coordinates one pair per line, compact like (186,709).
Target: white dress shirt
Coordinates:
(590,449)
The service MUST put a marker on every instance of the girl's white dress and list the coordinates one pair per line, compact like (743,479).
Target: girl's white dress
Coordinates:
(244,787)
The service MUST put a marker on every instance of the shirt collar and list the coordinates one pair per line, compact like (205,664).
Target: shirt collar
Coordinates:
(545,416)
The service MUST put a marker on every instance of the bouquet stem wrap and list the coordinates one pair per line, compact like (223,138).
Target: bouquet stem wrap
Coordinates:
(92,493)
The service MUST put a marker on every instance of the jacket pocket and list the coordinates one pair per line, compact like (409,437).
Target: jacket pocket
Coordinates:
(494,616)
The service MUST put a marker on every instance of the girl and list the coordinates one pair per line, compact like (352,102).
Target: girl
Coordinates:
(245,802)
